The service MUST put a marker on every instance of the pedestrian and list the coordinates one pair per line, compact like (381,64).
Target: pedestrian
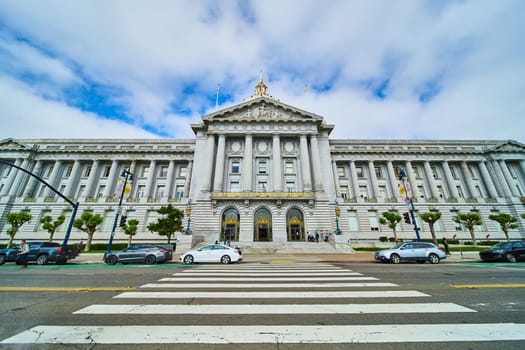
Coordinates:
(316,237)
(80,245)
(21,258)
(445,245)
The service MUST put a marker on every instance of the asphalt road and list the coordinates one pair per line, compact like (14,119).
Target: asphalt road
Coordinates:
(50,295)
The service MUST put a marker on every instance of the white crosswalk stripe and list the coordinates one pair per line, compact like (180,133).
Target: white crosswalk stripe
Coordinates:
(319,290)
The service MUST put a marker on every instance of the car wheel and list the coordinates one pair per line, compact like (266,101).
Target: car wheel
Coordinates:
(225,259)
(42,259)
(2,259)
(150,260)
(188,259)
(394,258)
(111,260)
(510,257)
(433,258)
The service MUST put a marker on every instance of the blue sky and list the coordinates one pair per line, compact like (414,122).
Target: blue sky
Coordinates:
(375,69)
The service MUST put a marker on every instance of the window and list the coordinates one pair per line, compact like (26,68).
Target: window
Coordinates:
(141,190)
(460,191)
(359,171)
(87,172)
(372,218)
(101,190)
(159,192)
(263,167)
(440,191)
(145,171)
(105,172)
(289,167)
(344,192)
(435,173)
(474,173)
(81,191)
(415,170)
(379,172)
(453,172)
(163,171)
(179,191)
(382,191)
(421,191)
(109,218)
(69,169)
(353,224)
(236,167)
(290,186)
(261,186)
(235,186)
(341,171)
(478,191)
(363,192)
(183,170)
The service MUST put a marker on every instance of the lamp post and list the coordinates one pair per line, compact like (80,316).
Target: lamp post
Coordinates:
(337,214)
(127,175)
(407,193)
(188,214)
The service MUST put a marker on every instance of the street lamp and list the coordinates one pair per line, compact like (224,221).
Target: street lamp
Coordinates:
(127,176)
(188,215)
(337,214)
(406,192)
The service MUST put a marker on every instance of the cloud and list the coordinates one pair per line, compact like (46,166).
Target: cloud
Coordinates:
(375,69)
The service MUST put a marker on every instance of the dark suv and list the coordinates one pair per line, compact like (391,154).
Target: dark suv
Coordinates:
(508,251)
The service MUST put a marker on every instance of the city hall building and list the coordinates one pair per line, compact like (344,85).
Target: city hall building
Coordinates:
(264,174)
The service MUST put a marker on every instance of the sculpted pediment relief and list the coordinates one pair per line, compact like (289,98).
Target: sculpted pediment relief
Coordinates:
(508,147)
(11,144)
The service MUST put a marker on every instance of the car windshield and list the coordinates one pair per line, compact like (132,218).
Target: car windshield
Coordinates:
(501,245)
(397,246)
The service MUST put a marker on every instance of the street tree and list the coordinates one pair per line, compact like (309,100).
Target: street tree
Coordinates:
(506,222)
(130,228)
(169,223)
(50,225)
(16,220)
(88,223)
(391,219)
(430,218)
(469,220)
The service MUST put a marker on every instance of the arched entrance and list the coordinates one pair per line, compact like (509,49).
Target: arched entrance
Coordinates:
(295,225)
(230,225)
(262,225)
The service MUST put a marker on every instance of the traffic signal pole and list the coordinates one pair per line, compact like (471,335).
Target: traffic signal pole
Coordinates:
(408,200)
(126,174)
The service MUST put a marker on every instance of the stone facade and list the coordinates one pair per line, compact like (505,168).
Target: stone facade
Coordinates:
(263,174)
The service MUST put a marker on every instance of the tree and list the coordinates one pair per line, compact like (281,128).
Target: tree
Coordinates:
(130,229)
(50,225)
(391,219)
(469,220)
(506,222)
(88,223)
(170,223)
(16,220)
(430,218)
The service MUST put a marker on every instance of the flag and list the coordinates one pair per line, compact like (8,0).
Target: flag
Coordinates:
(305,88)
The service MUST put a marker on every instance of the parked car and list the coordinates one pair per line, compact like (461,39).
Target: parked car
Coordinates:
(212,253)
(508,251)
(411,251)
(41,253)
(143,253)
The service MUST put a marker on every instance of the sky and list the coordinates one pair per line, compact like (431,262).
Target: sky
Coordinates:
(376,69)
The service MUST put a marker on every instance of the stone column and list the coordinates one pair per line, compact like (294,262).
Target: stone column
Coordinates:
(412,179)
(209,167)
(336,179)
(501,179)
(31,184)
(247,164)
(305,164)
(189,171)
(508,178)
(373,179)
(487,180)
(169,178)
(452,190)
(468,179)
(112,179)
(394,191)
(150,181)
(219,164)
(276,150)
(431,182)
(13,191)
(53,178)
(92,179)
(354,179)
(73,177)
(316,163)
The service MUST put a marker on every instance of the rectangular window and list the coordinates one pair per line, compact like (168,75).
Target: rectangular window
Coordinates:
(453,172)
(179,191)
(145,171)
(440,191)
(474,173)
(374,222)
(344,192)
(382,191)
(290,186)
(183,170)
(68,171)
(263,167)
(261,186)
(87,172)
(341,171)
(163,171)
(460,191)
(159,192)
(353,224)
(81,191)
(421,191)
(289,167)
(379,172)
(415,170)
(235,186)
(105,172)
(141,190)
(109,219)
(101,190)
(236,167)
(359,171)
(457,225)
(435,172)
(363,192)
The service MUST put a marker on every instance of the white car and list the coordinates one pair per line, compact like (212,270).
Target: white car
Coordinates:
(411,251)
(217,253)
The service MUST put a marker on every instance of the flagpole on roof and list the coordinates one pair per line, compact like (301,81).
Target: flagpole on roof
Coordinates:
(217,97)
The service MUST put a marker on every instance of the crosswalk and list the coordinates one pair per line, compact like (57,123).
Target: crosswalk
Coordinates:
(257,292)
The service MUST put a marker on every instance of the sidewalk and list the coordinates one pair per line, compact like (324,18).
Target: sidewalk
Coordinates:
(455,257)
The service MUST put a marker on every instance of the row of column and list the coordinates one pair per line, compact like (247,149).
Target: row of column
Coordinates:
(505,184)
(306,162)
(16,177)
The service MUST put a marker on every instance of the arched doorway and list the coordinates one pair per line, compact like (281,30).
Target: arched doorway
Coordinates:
(295,225)
(262,225)
(230,225)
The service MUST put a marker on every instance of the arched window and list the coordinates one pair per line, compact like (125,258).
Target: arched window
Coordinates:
(262,225)
(295,225)
(230,225)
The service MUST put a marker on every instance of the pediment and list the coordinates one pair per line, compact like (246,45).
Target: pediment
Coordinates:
(262,109)
(509,146)
(12,145)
